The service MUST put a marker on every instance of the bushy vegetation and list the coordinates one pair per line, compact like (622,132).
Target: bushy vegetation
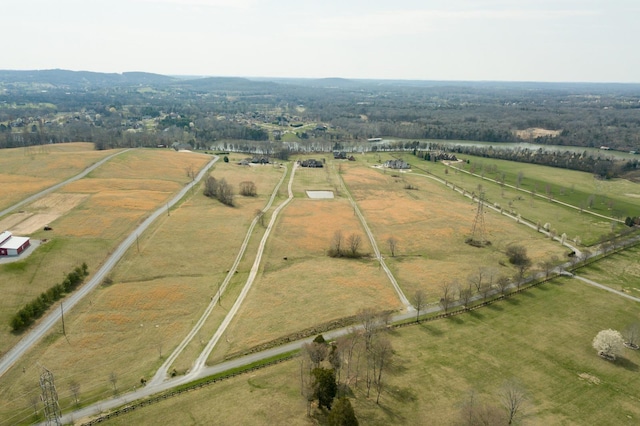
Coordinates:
(38,306)
(219,189)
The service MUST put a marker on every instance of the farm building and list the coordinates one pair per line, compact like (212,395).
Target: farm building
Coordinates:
(12,246)
(396,164)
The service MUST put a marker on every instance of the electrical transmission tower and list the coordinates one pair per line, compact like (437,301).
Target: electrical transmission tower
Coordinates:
(50,398)
(478,232)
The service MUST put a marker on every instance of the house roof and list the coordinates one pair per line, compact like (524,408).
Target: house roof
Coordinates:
(14,243)
(4,236)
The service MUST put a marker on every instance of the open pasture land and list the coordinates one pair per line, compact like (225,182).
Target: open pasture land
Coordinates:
(620,271)
(430,224)
(106,211)
(157,295)
(300,285)
(26,171)
(616,198)
(610,197)
(541,338)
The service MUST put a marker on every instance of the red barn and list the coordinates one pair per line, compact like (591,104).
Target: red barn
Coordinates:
(12,246)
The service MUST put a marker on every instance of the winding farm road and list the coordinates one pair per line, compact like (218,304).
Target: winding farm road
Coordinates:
(61,184)
(372,240)
(161,374)
(35,334)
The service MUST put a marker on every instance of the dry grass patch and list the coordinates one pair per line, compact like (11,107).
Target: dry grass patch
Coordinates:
(308,288)
(168,165)
(431,224)
(26,171)
(124,328)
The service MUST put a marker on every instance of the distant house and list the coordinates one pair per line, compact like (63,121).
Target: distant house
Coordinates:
(339,155)
(311,163)
(12,246)
(396,164)
(260,160)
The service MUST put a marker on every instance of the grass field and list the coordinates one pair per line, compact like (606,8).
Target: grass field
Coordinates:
(167,279)
(26,171)
(108,208)
(616,198)
(542,338)
(430,224)
(157,295)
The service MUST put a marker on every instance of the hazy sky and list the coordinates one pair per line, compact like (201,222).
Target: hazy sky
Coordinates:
(530,40)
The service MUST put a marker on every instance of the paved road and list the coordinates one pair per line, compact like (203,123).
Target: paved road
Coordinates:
(35,334)
(602,286)
(61,184)
(161,374)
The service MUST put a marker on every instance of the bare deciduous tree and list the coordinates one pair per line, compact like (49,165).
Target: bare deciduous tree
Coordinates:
(224,193)
(113,378)
(465,293)
(446,298)
(248,189)
(502,282)
(393,245)
(381,352)
(512,397)
(260,216)
(354,241)
(419,302)
(190,170)
(632,335)
(336,243)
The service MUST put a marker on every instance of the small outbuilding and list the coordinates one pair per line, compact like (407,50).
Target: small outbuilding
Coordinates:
(12,246)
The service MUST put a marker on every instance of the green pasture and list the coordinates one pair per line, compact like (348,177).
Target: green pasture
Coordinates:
(563,219)
(541,338)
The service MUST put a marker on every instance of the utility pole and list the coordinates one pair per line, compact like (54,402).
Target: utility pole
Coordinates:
(50,398)
(62,316)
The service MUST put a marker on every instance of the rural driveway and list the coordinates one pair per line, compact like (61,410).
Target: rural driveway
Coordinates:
(35,334)
(161,374)
(61,184)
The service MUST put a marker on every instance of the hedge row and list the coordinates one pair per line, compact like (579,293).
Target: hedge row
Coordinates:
(38,306)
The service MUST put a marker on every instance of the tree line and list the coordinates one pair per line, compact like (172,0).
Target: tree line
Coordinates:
(38,306)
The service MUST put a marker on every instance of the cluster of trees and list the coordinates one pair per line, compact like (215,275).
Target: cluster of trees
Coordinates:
(358,360)
(345,247)
(38,306)
(219,189)
(632,221)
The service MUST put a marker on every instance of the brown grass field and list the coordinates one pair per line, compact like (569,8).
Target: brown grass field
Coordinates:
(165,282)
(308,287)
(25,171)
(88,231)
(430,224)
(156,296)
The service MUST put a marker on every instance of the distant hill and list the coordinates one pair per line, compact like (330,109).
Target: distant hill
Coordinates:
(75,79)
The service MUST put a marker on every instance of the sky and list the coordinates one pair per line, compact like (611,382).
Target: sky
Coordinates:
(475,40)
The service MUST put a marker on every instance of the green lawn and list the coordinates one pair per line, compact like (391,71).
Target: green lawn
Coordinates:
(620,271)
